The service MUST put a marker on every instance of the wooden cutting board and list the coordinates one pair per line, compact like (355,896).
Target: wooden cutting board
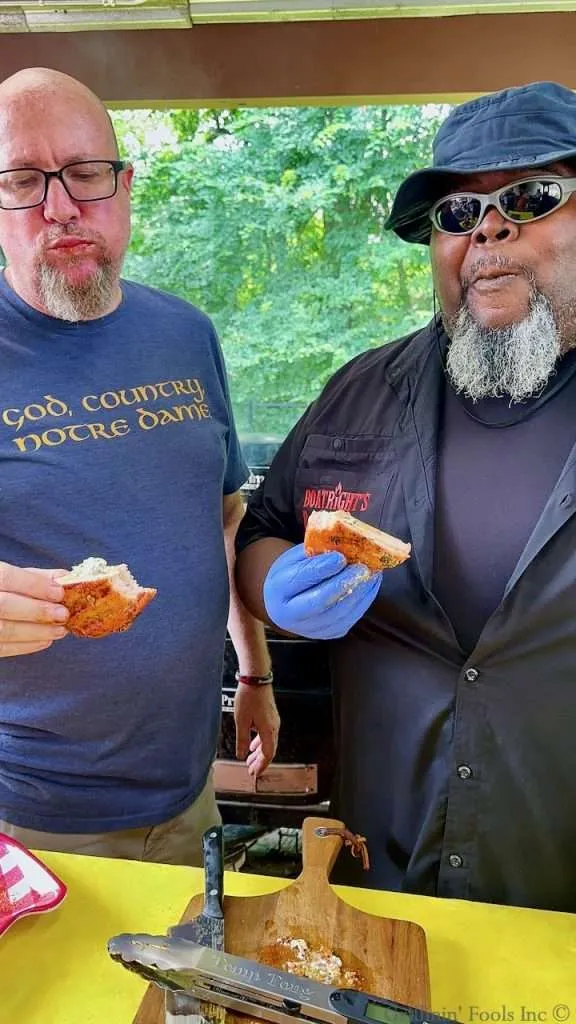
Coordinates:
(389,955)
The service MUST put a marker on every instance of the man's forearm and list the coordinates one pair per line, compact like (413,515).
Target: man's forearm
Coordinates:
(246,631)
(248,636)
(252,567)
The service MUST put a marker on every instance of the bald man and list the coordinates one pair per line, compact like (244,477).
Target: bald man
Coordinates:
(117,440)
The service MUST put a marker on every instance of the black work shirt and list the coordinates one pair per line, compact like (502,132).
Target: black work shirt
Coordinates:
(459,769)
(496,468)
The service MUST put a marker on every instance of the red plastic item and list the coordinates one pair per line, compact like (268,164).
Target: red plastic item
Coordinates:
(26,885)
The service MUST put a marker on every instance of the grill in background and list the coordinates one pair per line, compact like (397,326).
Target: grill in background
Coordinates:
(298,782)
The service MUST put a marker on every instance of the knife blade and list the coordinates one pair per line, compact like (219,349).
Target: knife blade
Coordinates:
(207,929)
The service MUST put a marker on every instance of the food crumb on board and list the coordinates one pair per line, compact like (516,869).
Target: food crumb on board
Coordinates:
(321,964)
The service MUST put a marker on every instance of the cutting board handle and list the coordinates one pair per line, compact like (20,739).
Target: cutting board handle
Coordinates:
(318,853)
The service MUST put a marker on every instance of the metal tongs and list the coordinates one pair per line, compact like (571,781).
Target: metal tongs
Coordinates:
(247,987)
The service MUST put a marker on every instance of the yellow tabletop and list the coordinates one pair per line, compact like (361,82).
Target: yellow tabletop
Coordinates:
(488,964)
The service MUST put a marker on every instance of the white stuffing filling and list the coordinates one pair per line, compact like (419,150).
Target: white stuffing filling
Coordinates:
(89,569)
(321,964)
(97,568)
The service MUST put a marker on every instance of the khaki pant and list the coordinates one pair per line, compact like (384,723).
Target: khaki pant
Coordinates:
(178,841)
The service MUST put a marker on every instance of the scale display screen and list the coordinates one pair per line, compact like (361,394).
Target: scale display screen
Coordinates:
(385,1014)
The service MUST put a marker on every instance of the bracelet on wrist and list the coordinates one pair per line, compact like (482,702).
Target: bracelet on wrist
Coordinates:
(249,680)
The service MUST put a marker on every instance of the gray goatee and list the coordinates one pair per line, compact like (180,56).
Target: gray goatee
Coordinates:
(65,299)
(75,302)
(515,361)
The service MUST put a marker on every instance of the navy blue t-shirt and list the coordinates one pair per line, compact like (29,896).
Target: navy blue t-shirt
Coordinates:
(116,440)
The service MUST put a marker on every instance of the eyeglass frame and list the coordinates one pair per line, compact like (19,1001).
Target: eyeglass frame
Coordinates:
(116,165)
(488,199)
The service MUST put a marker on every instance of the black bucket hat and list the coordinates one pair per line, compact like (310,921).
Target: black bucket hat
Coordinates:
(525,126)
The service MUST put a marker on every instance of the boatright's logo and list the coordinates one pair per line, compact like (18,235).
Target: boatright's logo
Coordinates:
(334,499)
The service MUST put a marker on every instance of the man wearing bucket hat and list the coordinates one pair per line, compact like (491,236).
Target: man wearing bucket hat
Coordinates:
(454,674)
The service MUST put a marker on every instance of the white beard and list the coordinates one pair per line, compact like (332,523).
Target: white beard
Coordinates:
(76,302)
(515,361)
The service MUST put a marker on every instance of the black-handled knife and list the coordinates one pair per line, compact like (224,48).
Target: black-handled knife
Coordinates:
(207,929)
(213,848)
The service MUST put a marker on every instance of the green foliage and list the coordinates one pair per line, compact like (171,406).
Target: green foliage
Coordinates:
(271,220)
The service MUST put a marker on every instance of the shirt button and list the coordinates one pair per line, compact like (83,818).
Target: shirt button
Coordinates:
(464,771)
(455,860)
(471,675)
(566,500)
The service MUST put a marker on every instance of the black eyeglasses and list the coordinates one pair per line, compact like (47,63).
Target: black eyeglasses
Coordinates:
(85,181)
(520,202)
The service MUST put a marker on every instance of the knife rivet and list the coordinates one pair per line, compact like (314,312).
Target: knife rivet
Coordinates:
(213,892)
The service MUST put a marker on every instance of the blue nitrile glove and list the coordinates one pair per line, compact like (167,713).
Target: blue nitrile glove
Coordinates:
(318,596)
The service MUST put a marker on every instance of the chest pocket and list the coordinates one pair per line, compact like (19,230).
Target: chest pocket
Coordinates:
(354,474)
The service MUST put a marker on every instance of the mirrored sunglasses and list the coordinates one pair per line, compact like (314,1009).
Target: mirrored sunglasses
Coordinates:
(520,202)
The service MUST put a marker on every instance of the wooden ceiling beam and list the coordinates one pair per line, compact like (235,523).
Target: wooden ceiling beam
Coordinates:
(378,60)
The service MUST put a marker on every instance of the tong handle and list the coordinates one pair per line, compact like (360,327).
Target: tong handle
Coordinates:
(360,1008)
(213,848)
